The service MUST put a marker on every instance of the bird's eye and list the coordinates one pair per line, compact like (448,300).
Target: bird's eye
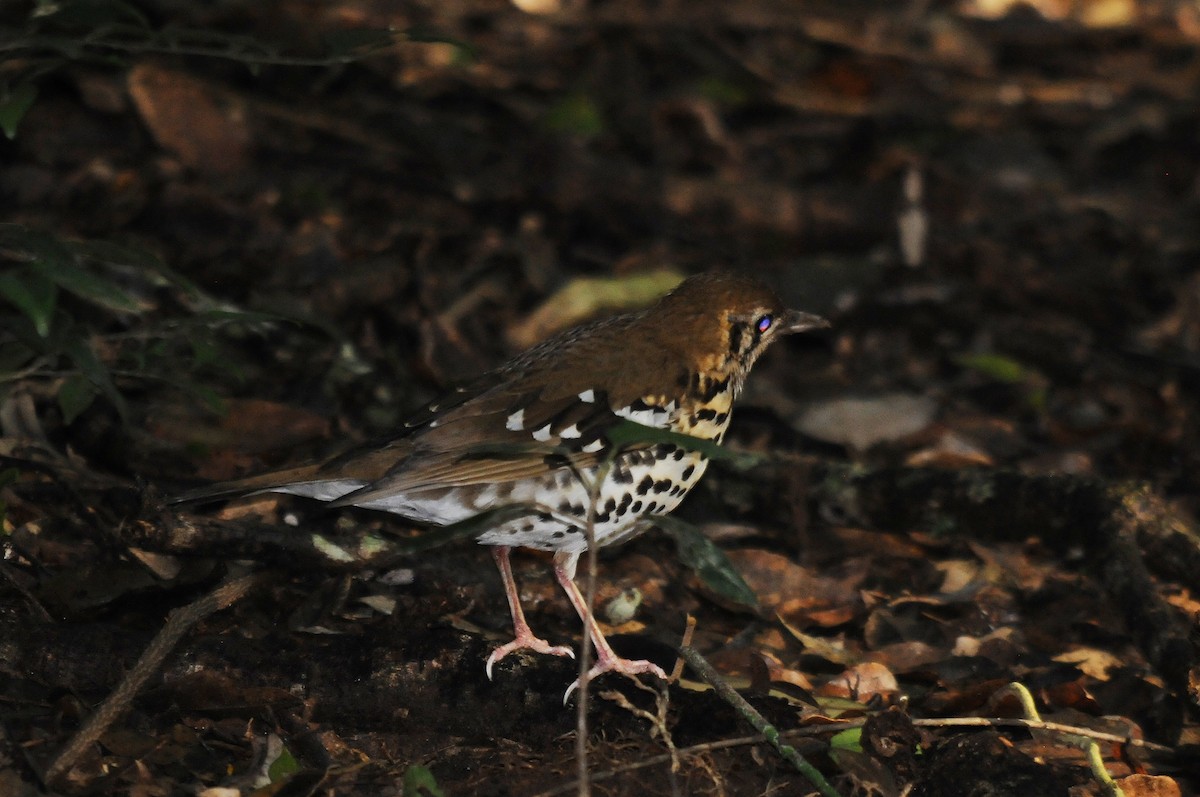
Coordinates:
(763,323)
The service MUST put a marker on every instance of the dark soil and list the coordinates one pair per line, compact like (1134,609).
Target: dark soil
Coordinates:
(229,245)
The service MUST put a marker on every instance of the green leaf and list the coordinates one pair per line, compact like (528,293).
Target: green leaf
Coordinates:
(75,394)
(89,286)
(283,766)
(91,15)
(849,739)
(419,782)
(114,254)
(997,366)
(30,245)
(13,106)
(81,354)
(708,561)
(722,90)
(577,114)
(33,294)
(629,434)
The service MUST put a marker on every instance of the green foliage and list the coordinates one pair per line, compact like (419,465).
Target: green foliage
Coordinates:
(708,561)
(1009,371)
(420,782)
(84,315)
(14,102)
(996,366)
(283,767)
(576,114)
(849,739)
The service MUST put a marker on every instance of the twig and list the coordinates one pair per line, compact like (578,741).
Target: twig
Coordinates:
(585,653)
(178,622)
(818,730)
(751,715)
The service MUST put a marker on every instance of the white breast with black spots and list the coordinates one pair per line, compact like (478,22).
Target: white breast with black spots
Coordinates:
(639,484)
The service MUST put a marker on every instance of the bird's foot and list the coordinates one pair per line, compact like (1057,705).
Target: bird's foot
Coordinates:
(630,668)
(526,641)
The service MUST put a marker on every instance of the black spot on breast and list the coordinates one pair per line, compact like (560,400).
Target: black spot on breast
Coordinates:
(721,418)
(651,506)
(662,485)
(558,535)
(645,485)
(706,414)
(527,527)
(687,472)
(678,455)
(711,389)
(610,504)
(637,507)
(622,474)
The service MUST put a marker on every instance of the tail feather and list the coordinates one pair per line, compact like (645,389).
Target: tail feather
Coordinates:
(286,480)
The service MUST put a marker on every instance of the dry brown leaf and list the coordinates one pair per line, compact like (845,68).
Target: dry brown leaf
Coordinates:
(798,594)
(862,682)
(1149,786)
(207,130)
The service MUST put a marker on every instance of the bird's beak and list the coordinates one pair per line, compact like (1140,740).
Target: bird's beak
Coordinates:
(796,321)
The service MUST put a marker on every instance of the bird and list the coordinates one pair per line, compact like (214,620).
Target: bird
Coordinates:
(539,433)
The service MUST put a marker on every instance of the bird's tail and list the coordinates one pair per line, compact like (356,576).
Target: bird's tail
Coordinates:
(290,480)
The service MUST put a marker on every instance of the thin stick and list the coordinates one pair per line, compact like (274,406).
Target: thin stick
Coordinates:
(758,721)
(838,727)
(178,623)
(585,657)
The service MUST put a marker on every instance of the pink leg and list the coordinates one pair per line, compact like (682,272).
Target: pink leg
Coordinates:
(524,636)
(606,658)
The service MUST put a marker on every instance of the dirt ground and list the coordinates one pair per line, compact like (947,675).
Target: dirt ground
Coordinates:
(236,235)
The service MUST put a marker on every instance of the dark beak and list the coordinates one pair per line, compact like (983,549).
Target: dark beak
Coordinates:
(796,321)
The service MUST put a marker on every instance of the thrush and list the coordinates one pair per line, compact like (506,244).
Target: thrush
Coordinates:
(538,433)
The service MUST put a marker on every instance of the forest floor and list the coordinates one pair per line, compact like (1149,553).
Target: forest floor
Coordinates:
(239,235)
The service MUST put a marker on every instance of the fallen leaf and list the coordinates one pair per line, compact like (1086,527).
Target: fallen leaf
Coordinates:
(863,422)
(208,131)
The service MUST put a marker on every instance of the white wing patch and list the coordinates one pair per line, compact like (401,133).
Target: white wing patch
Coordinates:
(542,435)
(570,432)
(593,447)
(588,396)
(516,421)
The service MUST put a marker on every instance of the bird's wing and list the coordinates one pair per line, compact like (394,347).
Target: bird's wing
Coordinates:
(525,428)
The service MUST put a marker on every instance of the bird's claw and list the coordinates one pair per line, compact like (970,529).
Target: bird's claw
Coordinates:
(630,668)
(525,642)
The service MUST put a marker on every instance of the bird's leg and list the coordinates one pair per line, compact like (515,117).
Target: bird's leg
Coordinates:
(524,639)
(606,658)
